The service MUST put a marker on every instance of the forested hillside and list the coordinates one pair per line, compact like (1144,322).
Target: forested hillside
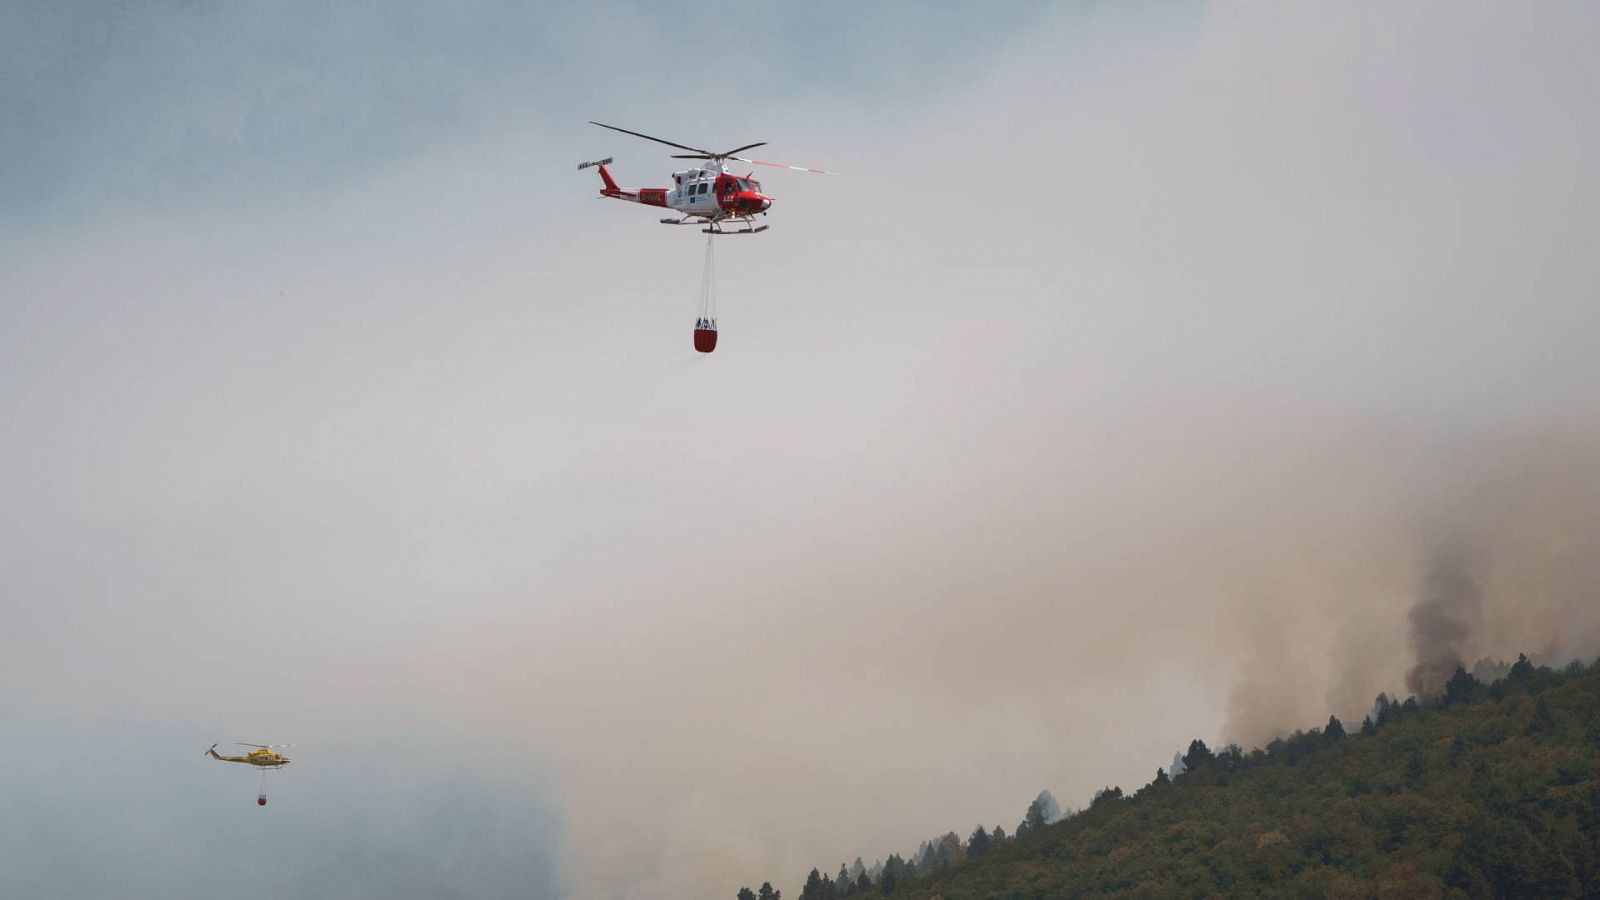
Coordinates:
(1487,790)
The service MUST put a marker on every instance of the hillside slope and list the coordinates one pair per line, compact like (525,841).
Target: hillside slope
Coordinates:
(1487,791)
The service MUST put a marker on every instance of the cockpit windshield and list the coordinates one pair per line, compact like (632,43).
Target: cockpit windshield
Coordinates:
(749,184)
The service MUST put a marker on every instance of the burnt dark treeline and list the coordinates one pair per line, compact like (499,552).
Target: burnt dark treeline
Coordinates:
(1488,789)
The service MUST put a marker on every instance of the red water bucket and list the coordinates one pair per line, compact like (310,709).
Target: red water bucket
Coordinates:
(261,800)
(705,339)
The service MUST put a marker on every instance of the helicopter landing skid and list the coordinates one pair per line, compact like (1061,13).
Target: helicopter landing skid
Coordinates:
(714,226)
(746,230)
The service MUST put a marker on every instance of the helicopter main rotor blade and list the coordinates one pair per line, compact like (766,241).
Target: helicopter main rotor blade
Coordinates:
(728,155)
(778,165)
(731,153)
(649,138)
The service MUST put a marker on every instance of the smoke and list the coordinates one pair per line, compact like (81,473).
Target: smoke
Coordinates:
(1048,806)
(1443,621)
(1512,571)
(1485,544)
(1010,470)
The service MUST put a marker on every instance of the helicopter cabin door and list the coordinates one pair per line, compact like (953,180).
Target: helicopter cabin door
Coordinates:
(701,200)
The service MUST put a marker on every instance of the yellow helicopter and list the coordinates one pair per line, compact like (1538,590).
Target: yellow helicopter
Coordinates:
(264,757)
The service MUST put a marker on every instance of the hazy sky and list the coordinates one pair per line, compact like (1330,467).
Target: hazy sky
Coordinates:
(1123,392)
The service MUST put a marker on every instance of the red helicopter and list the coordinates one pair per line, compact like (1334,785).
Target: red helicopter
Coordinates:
(709,195)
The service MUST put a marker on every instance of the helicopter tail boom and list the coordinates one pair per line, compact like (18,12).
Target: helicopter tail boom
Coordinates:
(647,196)
(212,752)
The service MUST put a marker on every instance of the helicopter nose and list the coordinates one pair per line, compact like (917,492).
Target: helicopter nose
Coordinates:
(766,203)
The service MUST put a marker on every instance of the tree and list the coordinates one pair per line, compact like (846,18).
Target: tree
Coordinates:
(1383,710)
(978,844)
(813,889)
(895,870)
(842,883)
(999,835)
(1335,729)
(1032,820)
(863,883)
(1106,795)
(1161,779)
(767,893)
(1367,728)
(1460,688)
(1231,758)
(746,894)
(1199,754)
(1522,669)
(1543,720)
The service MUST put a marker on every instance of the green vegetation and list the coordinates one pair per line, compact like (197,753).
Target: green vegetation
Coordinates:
(1486,791)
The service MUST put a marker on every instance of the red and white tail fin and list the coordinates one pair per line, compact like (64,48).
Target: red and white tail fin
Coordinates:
(604,175)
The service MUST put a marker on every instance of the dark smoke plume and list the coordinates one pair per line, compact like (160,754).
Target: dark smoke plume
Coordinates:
(1441,623)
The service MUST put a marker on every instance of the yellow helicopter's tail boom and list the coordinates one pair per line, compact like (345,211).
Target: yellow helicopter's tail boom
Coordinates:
(212,752)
